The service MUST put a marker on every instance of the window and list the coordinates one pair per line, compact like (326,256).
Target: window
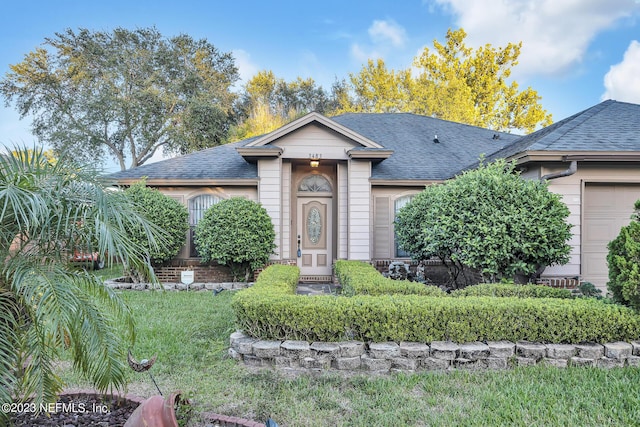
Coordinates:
(399,204)
(314,183)
(197,207)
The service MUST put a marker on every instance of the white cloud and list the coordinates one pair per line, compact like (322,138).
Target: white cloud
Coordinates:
(387,31)
(246,68)
(622,82)
(555,34)
(362,55)
(384,37)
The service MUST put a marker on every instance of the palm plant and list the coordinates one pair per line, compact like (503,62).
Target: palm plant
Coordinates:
(47,211)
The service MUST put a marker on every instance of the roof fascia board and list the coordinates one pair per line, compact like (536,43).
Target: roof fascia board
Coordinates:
(565,156)
(246,182)
(404,182)
(273,151)
(364,154)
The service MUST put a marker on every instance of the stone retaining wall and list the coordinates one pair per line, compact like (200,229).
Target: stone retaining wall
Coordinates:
(115,284)
(438,355)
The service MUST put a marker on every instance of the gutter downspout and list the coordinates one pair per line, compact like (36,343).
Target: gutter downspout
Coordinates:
(573,168)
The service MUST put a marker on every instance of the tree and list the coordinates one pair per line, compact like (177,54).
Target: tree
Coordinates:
(624,263)
(268,103)
(237,233)
(453,82)
(165,213)
(378,90)
(49,211)
(489,219)
(477,82)
(125,93)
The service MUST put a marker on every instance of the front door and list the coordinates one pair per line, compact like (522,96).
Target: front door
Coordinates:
(314,237)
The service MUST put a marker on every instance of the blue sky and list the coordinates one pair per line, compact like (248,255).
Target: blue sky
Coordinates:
(575,52)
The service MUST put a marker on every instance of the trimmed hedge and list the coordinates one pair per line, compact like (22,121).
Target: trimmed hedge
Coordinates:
(359,278)
(512,290)
(271,310)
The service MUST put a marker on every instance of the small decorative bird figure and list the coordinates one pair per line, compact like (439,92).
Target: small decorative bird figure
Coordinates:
(143,365)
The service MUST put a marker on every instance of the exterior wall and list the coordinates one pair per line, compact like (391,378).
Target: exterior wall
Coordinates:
(572,190)
(359,210)
(311,140)
(383,236)
(285,250)
(270,196)
(343,211)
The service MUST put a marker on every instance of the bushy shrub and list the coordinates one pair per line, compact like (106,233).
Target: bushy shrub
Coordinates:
(167,214)
(237,233)
(512,290)
(489,219)
(624,265)
(271,310)
(360,278)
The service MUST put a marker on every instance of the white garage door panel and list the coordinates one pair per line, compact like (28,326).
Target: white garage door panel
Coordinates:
(607,208)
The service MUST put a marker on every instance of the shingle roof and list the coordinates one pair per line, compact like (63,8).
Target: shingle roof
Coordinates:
(221,162)
(608,126)
(416,156)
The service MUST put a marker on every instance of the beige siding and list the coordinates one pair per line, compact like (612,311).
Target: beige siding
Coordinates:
(578,191)
(569,190)
(343,211)
(359,208)
(312,140)
(287,221)
(270,196)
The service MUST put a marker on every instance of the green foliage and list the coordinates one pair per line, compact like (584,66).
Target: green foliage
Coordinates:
(238,233)
(587,290)
(511,290)
(124,93)
(489,219)
(49,210)
(271,310)
(269,102)
(624,266)
(359,278)
(166,213)
(452,82)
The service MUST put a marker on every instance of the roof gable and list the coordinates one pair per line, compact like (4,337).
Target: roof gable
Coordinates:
(308,119)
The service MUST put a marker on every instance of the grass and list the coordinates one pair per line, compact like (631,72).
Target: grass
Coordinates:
(189,332)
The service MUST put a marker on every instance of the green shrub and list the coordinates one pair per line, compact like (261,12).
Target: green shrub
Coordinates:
(271,310)
(511,290)
(360,278)
(624,266)
(237,233)
(168,215)
(490,220)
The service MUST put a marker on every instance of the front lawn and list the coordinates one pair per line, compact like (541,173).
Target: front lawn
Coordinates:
(189,332)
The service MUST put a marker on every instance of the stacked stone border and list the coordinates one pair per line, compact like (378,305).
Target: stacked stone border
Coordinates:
(435,356)
(227,286)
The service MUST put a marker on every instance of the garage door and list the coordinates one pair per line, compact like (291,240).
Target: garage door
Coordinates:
(607,208)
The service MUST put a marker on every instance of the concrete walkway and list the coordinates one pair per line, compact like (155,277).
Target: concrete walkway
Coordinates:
(316,289)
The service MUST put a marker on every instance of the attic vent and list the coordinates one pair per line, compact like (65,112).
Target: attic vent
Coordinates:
(435,139)
(495,136)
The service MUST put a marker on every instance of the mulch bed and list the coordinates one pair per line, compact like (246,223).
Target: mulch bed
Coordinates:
(79,409)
